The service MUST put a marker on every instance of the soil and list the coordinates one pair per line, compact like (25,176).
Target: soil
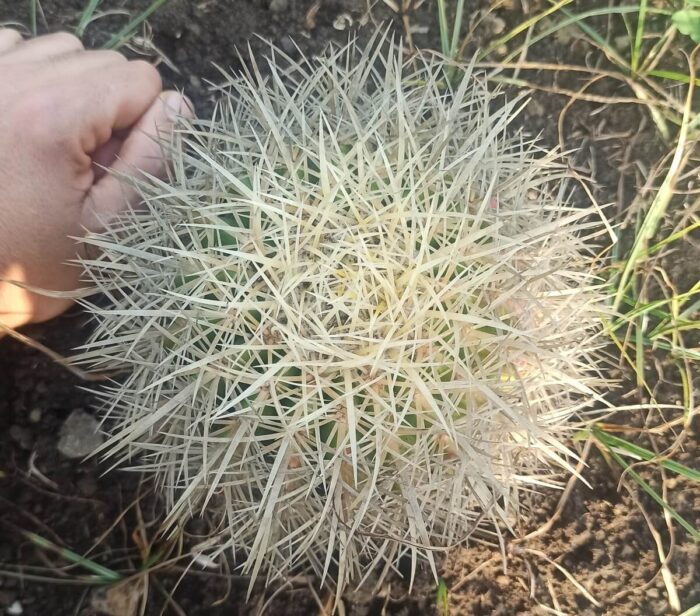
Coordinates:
(602,539)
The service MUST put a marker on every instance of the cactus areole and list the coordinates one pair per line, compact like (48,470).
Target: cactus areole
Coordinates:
(357,321)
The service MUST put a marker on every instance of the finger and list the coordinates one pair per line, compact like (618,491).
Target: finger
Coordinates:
(144,152)
(43,48)
(91,107)
(119,97)
(9,39)
(106,155)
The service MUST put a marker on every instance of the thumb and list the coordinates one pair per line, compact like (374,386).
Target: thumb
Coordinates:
(143,152)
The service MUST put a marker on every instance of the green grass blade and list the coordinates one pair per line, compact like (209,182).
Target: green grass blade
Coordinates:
(637,48)
(673,349)
(647,231)
(32,16)
(107,575)
(681,325)
(644,454)
(522,28)
(86,17)
(673,76)
(684,318)
(628,29)
(653,494)
(674,236)
(652,308)
(578,20)
(457,30)
(123,35)
(444,35)
(442,599)
(639,327)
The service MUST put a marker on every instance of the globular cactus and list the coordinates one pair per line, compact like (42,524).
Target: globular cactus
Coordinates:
(357,320)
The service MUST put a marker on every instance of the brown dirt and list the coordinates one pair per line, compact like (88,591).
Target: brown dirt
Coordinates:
(602,538)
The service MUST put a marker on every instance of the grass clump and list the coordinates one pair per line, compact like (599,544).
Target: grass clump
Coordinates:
(94,10)
(356,322)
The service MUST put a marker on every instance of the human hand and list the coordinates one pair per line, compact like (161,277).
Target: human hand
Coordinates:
(64,113)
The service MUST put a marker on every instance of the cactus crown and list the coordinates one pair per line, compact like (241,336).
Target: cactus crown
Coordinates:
(356,320)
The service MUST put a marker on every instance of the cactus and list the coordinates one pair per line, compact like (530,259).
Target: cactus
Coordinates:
(358,321)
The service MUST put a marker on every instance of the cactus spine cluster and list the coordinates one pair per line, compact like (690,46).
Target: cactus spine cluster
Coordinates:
(356,321)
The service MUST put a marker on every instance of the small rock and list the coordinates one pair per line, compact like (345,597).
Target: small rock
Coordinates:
(79,435)
(627,552)
(119,600)
(15,609)
(279,6)
(195,82)
(621,42)
(503,581)
(535,108)
(343,21)
(194,29)
(496,24)
(35,415)
(22,436)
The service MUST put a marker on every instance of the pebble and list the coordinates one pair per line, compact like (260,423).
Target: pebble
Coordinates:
(279,6)
(535,108)
(343,21)
(496,24)
(195,82)
(627,552)
(35,415)
(194,29)
(79,435)
(503,581)
(15,609)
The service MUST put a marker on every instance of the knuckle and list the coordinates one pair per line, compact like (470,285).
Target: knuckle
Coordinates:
(10,35)
(147,71)
(111,56)
(67,40)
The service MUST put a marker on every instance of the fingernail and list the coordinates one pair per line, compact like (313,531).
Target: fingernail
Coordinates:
(177,106)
